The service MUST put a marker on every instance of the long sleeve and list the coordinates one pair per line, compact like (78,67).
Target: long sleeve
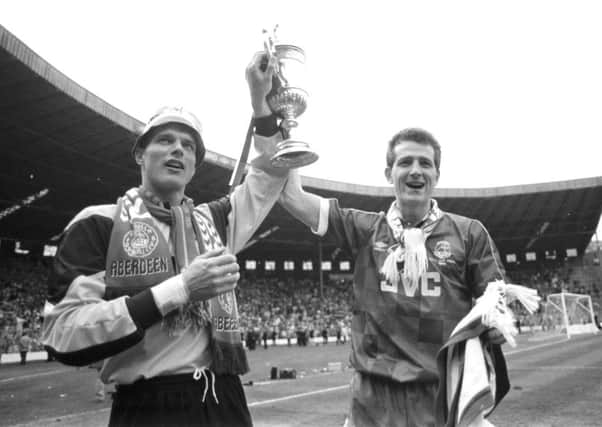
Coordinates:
(240,214)
(483,260)
(84,325)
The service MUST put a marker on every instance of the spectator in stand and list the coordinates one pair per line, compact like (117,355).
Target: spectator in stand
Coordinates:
(25,342)
(264,337)
(251,340)
(290,333)
(4,344)
(324,335)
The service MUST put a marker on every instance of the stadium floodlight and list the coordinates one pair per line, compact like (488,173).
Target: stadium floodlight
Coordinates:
(23,203)
(49,250)
(19,249)
(571,252)
(569,313)
(510,258)
(538,234)
(260,237)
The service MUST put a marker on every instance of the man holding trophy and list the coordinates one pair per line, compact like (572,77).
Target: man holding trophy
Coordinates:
(146,286)
(417,271)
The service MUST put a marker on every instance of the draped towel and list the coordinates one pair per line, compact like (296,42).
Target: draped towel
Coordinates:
(473,377)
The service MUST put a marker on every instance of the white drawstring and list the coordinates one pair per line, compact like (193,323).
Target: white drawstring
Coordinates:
(202,372)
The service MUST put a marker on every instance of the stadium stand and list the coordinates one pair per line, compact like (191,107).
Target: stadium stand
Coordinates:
(64,148)
(22,296)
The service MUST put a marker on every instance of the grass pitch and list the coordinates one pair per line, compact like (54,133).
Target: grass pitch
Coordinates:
(554,382)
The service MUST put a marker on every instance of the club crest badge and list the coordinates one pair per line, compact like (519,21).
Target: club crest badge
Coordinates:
(442,250)
(226,302)
(141,241)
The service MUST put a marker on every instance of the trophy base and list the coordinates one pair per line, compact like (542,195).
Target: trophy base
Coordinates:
(293,154)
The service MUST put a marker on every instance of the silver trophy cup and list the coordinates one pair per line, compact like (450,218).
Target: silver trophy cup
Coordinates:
(289,101)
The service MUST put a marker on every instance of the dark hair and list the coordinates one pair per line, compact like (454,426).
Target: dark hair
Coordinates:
(417,135)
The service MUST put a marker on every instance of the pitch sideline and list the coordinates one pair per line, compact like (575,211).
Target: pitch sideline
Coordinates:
(294,396)
(257,403)
(38,374)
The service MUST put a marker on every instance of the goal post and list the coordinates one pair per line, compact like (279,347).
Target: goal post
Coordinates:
(569,313)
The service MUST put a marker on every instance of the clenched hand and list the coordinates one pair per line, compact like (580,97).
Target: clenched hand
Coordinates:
(211,274)
(259,75)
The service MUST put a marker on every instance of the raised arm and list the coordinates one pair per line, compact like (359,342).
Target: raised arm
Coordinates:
(310,209)
(240,214)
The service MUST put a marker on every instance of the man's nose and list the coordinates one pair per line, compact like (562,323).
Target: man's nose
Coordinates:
(177,147)
(415,169)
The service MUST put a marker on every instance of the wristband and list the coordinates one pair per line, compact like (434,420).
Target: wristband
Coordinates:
(266,125)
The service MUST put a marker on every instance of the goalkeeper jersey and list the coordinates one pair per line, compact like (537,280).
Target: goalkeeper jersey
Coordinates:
(89,324)
(397,328)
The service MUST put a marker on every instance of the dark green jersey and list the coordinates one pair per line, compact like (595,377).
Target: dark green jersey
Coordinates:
(398,328)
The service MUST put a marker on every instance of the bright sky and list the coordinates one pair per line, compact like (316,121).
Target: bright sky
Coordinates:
(512,89)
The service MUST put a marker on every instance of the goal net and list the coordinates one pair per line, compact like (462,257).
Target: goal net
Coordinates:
(569,313)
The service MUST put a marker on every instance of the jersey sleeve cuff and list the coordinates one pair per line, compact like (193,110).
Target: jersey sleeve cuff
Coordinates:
(143,310)
(170,294)
(322,218)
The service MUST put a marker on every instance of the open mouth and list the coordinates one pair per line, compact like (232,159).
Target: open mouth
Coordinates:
(175,164)
(415,185)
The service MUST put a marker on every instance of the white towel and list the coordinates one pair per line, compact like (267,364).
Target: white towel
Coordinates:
(473,374)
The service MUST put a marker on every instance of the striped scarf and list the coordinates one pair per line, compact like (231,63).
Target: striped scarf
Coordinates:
(410,250)
(191,234)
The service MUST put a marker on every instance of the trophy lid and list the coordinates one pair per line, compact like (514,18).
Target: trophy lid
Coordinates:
(291,51)
(282,48)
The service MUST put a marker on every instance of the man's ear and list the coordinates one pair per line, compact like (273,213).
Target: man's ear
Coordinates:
(388,175)
(138,155)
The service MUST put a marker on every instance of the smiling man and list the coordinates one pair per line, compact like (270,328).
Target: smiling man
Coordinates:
(146,286)
(417,270)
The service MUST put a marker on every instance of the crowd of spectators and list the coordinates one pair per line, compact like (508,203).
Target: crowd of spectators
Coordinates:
(271,308)
(22,297)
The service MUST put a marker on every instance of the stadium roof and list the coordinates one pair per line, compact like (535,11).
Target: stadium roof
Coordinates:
(64,148)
